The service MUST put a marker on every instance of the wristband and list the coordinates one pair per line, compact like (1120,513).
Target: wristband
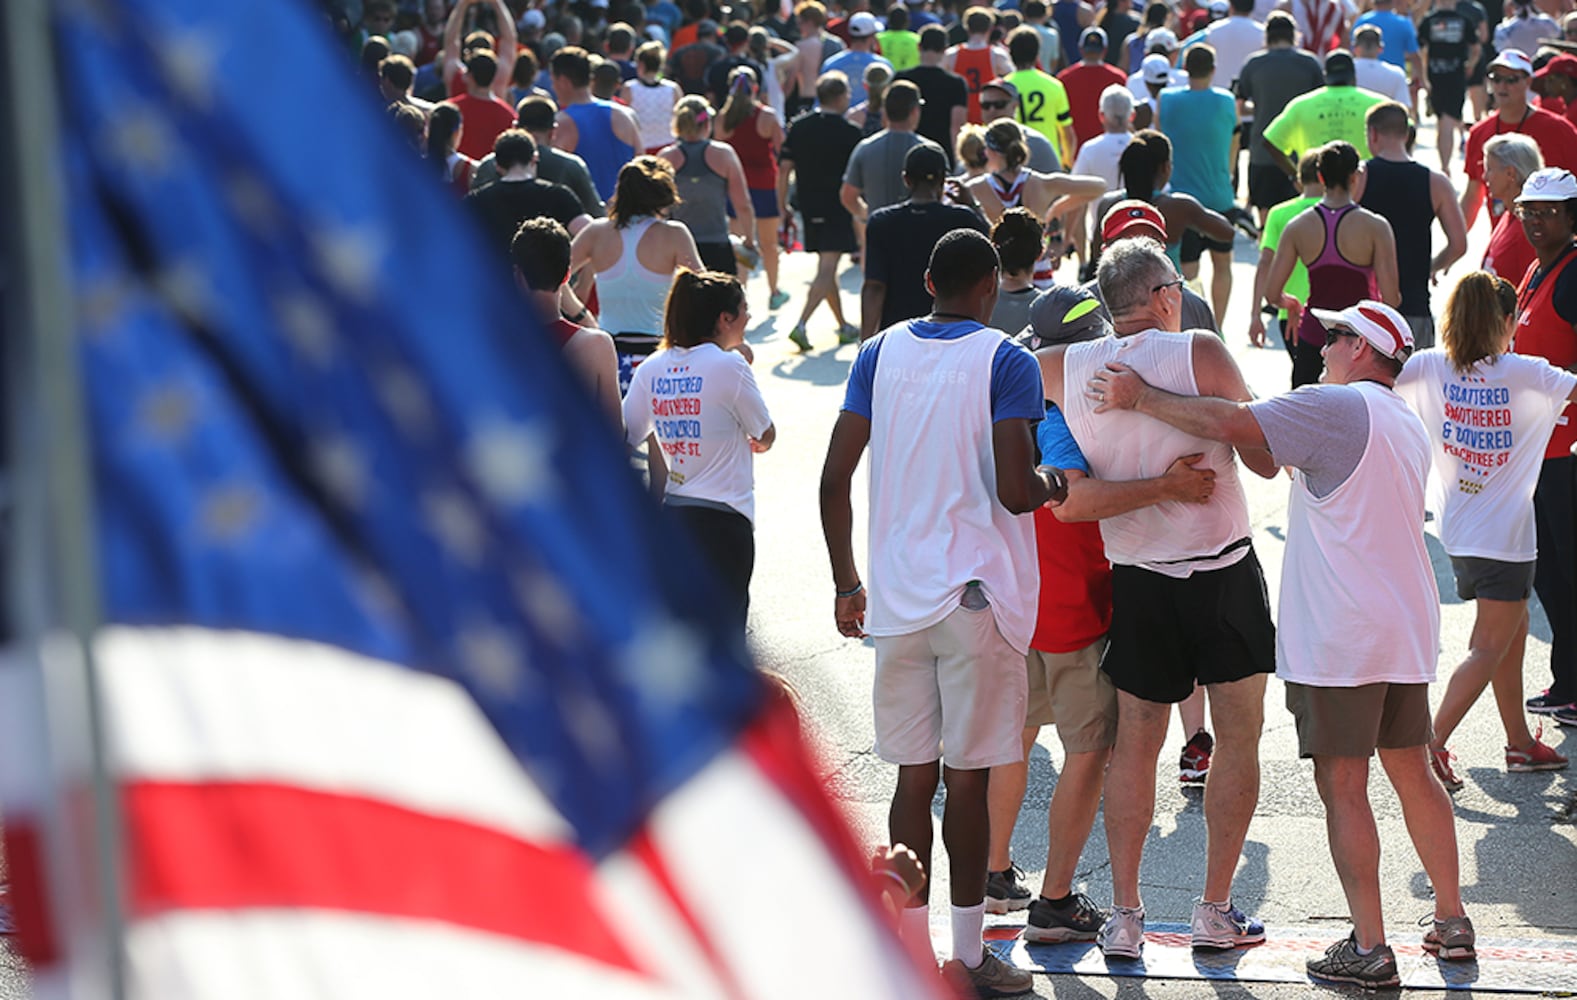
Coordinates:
(903,887)
(584,312)
(850,593)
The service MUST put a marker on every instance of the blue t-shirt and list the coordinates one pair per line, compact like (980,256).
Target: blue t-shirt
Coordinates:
(1200,124)
(1057,447)
(1396,33)
(853,65)
(1016,392)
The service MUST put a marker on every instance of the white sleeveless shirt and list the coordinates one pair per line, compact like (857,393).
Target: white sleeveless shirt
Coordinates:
(936,522)
(1358,598)
(1171,538)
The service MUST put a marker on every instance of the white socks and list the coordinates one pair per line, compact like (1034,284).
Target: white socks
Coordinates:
(968,923)
(914,925)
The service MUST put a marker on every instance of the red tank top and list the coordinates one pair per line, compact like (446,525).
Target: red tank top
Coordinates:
(755,154)
(974,65)
(1542,333)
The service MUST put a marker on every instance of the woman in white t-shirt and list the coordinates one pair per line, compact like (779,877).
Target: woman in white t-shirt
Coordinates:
(696,404)
(1490,414)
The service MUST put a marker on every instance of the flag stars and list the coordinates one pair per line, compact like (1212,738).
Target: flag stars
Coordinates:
(308,326)
(665,663)
(230,513)
(185,288)
(457,525)
(406,399)
(341,468)
(549,606)
(350,257)
(512,462)
(142,141)
(166,414)
(591,725)
(251,202)
(189,59)
(102,303)
(492,659)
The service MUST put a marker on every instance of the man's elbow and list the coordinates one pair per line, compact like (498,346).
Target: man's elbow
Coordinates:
(1015,497)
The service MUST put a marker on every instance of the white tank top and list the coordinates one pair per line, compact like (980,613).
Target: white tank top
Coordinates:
(1358,596)
(630,296)
(1171,538)
(931,423)
(653,105)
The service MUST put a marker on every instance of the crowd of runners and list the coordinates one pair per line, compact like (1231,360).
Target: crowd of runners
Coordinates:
(1053,425)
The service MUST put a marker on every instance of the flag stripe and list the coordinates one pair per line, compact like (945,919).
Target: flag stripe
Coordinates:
(194,705)
(240,846)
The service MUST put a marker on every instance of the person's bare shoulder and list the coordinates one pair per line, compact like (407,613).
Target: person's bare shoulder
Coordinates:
(1051,369)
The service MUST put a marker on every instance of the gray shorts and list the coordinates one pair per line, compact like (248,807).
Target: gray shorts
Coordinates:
(1355,721)
(1492,579)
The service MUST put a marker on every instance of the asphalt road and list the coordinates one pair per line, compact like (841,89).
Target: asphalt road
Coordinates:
(1517,841)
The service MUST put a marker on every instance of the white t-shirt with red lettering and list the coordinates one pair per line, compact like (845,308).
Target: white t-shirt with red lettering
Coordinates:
(704,404)
(1489,426)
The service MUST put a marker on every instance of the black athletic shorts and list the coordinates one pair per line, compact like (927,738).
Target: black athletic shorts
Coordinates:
(718,257)
(1269,185)
(832,233)
(1447,93)
(1167,634)
(1195,245)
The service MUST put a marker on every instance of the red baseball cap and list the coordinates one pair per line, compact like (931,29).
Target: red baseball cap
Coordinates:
(1128,215)
(1564,64)
(1383,327)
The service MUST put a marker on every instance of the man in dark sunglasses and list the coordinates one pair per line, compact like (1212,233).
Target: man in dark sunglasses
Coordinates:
(1356,568)
(1509,75)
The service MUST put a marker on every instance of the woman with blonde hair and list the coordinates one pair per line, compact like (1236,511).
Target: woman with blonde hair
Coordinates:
(651,97)
(756,134)
(969,151)
(634,253)
(710,423)
(1490,414)
(710,178)
(868,113)
(1009,183)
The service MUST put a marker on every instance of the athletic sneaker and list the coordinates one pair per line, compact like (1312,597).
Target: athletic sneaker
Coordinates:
(1005,891)
(1539,757)
(778,299)
(1122,935)
(848,333)
(1217,927)
(991,978)
(1342,964)
(798,339)
(1451,939)
(1194,764)
(1543,704)
(1440,762)
(1078,920)
(1565,716)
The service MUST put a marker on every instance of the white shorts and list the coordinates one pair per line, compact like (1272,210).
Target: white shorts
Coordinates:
(955,691)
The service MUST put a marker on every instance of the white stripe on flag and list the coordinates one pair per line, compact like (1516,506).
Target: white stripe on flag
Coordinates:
(192,704)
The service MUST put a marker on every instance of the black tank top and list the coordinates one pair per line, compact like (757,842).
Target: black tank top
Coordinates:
(1400,193)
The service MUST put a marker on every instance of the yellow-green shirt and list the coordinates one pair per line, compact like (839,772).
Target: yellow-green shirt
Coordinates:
(901,48)
(1275,224)
(1329,114)
(1043,106)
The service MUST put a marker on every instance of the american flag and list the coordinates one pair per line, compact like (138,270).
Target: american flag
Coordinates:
(407,688)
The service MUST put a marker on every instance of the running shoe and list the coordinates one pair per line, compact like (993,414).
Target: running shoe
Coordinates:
(1229,927)
(778,299)
(1440,762)
(991,978)
(848,333)
(798,339)
(1194,764)
(1543,704)
(1451,939)
(1005,891)
(1122,935)
(1565,716)
(1077,920)
(1341,963)
(1539,757)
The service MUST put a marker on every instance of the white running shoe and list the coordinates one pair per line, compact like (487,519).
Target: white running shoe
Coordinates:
(1122,935)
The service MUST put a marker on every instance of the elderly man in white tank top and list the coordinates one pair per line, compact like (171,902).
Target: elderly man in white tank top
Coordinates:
(1356,567)
(1189,602)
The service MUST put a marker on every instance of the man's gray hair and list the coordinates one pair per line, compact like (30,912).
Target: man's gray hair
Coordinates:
(1130,270)
(1516,151)
(1117,102)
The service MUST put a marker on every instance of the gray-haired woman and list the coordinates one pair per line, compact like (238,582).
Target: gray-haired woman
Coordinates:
(1508,162)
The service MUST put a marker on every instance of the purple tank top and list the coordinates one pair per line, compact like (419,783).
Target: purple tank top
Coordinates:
(1334,281)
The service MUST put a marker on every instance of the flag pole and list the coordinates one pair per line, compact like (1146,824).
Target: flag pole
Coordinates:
(54,595)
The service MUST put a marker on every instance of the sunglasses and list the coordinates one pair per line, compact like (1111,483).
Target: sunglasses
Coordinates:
(1175,283)
(1542,212)
(993,105)
(1505,77)
(1336,333)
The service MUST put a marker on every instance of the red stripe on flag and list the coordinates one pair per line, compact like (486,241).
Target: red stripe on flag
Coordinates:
(246,845)
(35,930)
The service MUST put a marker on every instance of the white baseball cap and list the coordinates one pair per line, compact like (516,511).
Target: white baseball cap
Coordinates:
(1512,60)
(1161,36)
(863,24)
(1549,184)
(1383,327)
(1155,69)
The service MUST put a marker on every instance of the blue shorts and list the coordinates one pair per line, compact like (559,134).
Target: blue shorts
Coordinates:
(763,201)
